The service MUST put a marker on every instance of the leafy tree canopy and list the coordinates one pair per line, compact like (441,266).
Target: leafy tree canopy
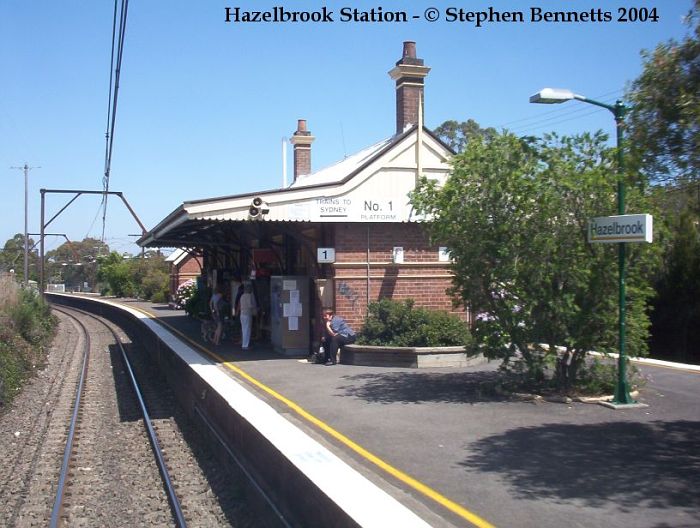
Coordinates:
(145,276)
(664,120)
(456,134)
(514,214)
(12,257)
(74,263)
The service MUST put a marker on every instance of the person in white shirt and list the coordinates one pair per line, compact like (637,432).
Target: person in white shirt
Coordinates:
(248,308)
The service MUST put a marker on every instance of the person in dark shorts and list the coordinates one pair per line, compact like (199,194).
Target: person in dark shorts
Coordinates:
(336,333)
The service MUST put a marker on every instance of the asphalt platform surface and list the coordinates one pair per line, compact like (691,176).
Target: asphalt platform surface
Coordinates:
(505,462)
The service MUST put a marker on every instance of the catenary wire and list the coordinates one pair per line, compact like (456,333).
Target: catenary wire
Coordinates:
(115,73)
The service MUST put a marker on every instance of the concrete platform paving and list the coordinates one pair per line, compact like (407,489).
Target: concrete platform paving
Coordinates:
(458,457)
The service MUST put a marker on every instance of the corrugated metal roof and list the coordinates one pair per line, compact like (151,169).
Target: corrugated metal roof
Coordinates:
(339,171)
(380,175)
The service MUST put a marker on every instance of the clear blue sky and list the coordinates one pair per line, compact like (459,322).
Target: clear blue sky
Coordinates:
(204,105)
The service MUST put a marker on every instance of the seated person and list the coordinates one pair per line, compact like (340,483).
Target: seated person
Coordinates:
(336,334)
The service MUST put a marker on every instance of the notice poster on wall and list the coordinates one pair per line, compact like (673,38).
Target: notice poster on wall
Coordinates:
(289,318)
(292,309)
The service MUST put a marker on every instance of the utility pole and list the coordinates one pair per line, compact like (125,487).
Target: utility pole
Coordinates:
(26,168)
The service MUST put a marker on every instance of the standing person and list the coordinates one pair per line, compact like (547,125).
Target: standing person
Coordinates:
(216,304)
(336,334)
(248,308)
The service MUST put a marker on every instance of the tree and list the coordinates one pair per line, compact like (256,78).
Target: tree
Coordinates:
(113,270)
(456,135)
(514,214)
(145,277)
(664,140)
(12,257)
(664,121)
(676,313)
(75,263)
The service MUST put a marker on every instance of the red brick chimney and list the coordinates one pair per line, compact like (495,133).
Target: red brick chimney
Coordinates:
(302,139)
(409,75)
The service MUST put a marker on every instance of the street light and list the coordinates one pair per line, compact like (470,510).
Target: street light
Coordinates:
(558,95)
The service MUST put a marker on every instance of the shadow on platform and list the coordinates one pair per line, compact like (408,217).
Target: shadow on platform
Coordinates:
(649,465)
(423,387)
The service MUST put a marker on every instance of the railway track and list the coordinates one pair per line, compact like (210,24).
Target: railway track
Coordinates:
(102,470)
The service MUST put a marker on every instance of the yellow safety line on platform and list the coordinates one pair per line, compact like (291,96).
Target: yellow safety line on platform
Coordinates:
(403,477)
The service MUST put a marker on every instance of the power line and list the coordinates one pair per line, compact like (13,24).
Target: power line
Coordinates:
(564,110)
(556,120)
(557,115)
(114,75)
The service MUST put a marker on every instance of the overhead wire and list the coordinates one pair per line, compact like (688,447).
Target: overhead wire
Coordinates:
(114,75)
(92,224)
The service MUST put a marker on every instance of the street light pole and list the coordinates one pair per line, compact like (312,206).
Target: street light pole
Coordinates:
(555,95)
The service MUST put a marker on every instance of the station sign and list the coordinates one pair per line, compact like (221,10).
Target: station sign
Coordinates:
(325,255)
(621,228)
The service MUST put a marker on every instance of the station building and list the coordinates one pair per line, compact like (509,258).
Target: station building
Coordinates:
(340,237)
(183,266)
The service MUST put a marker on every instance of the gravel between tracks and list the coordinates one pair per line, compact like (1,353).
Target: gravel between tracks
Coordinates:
(114,480)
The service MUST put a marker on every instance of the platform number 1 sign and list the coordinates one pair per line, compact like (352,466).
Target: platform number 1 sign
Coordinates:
(325,255)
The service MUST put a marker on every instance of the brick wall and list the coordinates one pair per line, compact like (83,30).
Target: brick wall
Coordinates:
(302,161)
(187,269)
(420,277)
(407,106)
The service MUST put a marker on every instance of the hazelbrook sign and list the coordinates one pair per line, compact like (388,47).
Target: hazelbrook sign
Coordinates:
(622,228)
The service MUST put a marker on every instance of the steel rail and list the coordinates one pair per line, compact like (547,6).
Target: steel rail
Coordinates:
(58,503)
(153,438)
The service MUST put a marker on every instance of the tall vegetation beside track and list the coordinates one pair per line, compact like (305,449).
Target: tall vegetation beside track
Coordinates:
(145,277)
(26,330)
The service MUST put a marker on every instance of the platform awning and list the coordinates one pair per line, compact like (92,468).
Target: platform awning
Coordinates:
(371,186)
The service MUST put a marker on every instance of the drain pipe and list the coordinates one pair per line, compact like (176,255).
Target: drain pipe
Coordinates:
(368,285)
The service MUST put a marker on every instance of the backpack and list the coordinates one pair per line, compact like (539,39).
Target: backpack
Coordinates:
(317,357)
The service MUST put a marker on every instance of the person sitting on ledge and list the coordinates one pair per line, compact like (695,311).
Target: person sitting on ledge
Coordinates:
(336,334)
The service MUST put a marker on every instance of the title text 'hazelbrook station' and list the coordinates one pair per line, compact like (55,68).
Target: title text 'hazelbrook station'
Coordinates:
(280,14)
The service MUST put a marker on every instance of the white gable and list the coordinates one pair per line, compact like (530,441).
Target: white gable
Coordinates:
(370,186)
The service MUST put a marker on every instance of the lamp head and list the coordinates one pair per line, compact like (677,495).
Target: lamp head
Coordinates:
(552,96)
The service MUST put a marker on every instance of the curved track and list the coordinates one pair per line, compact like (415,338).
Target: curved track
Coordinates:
(111,477)
(70,461)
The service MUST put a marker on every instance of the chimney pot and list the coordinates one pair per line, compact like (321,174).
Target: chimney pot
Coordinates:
(409,49)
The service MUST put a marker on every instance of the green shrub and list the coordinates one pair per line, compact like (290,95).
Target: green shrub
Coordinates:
(31,318)
(154,285)
(159,297)
(198,304)
(26,329)
(398,323)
